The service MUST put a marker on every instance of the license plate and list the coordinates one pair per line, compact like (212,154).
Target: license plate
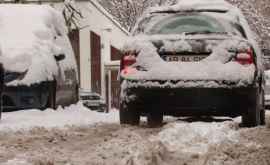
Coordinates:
(184,58)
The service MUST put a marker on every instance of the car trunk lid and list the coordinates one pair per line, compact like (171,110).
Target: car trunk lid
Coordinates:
(186,50)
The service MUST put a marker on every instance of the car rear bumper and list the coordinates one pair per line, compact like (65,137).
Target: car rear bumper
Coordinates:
(191,101)
(25,97)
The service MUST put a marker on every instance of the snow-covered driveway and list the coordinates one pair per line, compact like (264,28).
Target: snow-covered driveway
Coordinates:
(77,136)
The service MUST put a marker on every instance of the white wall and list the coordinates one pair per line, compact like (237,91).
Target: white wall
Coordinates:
(97,22)
(110,33)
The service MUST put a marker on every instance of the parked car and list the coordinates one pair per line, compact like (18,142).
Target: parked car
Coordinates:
(93,101)
(39,64)
(193,58)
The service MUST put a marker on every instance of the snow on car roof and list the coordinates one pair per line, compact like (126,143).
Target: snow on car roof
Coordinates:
(194,5)
(232,13)
(219,9)
(30,37)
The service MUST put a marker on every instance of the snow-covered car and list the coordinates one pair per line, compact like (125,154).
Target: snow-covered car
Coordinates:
(39,63)
(192,58)
(93,101)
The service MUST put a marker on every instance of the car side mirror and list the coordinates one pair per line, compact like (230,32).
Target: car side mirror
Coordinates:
(59,57)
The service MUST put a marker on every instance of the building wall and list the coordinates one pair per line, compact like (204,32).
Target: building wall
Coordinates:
(98,20)
(111,35)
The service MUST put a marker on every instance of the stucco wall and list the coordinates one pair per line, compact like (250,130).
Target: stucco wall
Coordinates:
(110,33)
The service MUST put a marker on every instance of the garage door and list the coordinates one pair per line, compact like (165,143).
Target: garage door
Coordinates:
(115,83)
(95,62)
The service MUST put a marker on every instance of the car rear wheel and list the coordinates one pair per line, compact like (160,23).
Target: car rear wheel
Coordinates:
(154,119)
(256,114)
(262,113)
(128,115)
(51,103)
(262,117)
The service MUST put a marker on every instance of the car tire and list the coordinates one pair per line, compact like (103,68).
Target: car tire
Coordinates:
(51,103)
(154,119)
(262,117)
(253,117)
(128,115)
(262,113)
(76,95)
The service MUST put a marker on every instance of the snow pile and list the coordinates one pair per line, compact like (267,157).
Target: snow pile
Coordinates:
(30,37)
(17,161)
(76,115)
(178,46)
(196,137)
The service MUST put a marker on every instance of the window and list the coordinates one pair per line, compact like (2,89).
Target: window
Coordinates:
(179,24)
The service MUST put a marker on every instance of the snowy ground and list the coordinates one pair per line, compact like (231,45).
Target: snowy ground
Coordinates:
(78,136)
(76,115)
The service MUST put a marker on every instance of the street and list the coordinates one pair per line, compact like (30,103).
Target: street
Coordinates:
(183,141)
(111,82)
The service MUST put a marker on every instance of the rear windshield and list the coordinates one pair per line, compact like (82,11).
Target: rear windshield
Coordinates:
(178,23)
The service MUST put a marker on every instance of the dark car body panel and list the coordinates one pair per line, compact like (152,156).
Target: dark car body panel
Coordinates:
(67,88)
(192,101)
(25,97)
(36,96)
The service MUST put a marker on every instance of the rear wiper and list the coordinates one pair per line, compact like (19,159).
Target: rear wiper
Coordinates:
(204,32)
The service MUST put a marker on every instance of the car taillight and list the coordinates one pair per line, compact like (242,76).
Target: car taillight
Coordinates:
(127,60)
(245,58)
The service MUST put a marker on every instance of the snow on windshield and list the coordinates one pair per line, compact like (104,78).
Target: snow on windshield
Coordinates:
(177,24)
(30,37)
(187,22)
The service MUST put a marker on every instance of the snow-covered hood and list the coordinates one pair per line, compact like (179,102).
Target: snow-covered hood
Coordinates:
(30,37)
(217,66)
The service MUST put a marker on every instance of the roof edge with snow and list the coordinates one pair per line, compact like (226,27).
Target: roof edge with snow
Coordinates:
(108,15)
